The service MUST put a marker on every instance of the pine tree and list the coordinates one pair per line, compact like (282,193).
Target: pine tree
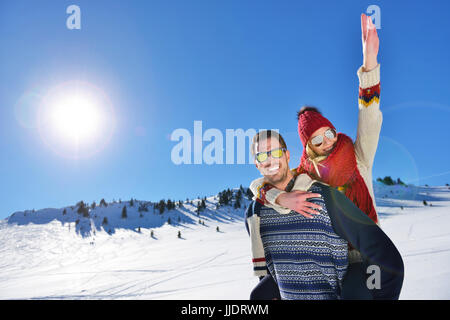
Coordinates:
(224,197)
(238,195)
(103,203)
(199,208)
(82,209)
(131,202)
(105,221)
(124,212)
(386,180)
(161,206)
(143,207)
(237,203)
(169,204)
(249,194)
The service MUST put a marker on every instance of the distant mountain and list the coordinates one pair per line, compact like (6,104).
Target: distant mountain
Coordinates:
(138,214)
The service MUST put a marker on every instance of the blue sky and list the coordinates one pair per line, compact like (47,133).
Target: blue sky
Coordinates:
(230,64)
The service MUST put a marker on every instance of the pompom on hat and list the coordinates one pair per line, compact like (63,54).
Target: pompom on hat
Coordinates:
(309,121)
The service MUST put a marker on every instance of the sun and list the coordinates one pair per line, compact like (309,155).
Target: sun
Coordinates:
(76,117)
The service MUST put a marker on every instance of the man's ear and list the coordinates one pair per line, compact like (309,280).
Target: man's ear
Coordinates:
(288,155)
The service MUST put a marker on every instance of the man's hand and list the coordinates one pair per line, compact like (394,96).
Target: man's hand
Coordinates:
(370,43)
(298,201)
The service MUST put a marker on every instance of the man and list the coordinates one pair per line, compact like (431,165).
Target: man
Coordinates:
(307,258)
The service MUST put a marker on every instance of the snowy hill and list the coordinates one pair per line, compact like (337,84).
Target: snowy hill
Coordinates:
(66,254)
(139,214)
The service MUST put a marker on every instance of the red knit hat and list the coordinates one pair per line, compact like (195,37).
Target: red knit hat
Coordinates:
(308,122)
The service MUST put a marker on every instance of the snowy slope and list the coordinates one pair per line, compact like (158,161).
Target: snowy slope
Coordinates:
(422,235)
(48,255)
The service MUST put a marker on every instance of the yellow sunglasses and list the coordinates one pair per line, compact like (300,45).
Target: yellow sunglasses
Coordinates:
(275,153)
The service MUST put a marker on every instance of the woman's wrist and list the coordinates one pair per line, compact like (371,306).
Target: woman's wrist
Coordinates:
(369,64)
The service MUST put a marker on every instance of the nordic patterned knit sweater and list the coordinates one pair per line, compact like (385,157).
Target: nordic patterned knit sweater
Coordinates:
(305,256)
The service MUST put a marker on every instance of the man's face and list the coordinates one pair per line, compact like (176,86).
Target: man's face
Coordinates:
(327,145)
(274,170)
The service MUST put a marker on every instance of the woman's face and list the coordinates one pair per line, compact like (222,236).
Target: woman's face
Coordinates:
(327,145)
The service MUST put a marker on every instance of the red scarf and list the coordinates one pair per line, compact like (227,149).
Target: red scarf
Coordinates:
(339,170)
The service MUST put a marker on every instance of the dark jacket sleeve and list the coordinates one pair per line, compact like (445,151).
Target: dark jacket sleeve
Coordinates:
(353,225)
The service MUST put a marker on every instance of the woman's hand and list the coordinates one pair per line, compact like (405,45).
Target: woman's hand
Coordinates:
(298,201)
(370,43)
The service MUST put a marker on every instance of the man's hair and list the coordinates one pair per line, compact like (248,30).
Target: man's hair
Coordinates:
(307,108)
(265,135)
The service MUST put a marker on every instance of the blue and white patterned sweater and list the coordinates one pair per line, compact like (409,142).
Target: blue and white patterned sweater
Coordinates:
(306,258)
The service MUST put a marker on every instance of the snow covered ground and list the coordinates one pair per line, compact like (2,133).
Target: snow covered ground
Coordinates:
(422,235)
(49,255)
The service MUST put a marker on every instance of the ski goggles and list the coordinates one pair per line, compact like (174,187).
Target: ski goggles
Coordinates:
(275,153)
(318,140)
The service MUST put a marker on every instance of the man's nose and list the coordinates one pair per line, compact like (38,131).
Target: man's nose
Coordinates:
(268,162)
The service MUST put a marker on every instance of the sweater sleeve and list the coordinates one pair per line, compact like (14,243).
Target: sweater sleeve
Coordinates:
(350,223)
(302,183)
(258,256)
(370,117)
(266,194)
(269,196)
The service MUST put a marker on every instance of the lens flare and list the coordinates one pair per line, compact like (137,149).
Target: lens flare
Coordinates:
(26,108)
